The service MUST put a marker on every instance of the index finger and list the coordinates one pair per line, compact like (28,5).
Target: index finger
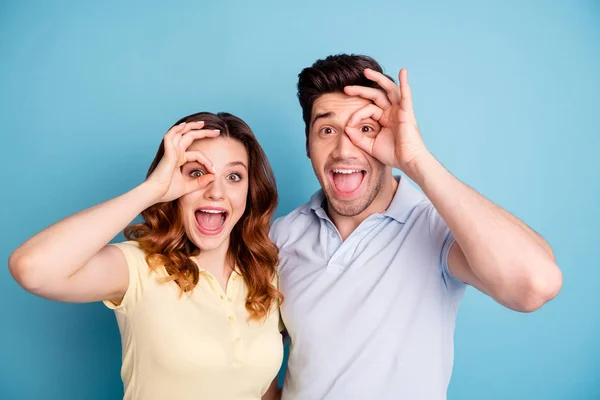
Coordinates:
(377,96)
(392,90)
(183,128)
(406,95)
(197,156)
(189,137)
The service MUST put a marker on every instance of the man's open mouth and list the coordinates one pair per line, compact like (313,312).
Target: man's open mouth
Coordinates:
(347,181)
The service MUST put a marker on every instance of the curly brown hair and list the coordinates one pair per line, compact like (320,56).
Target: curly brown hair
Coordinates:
(162,234)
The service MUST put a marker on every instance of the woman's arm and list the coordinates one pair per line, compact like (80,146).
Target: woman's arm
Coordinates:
(70,260)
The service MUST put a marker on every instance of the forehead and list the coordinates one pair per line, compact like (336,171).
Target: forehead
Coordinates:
(220,150)
(340,104)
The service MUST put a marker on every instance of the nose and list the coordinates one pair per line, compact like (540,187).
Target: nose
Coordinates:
(344,149)
(214,190)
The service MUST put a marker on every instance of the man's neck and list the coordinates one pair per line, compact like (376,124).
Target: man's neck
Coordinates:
(346,225)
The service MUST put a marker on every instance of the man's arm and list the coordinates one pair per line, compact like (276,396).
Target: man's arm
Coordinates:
(273,393)
(495,251)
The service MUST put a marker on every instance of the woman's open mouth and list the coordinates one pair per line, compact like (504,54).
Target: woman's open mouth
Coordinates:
(210,221)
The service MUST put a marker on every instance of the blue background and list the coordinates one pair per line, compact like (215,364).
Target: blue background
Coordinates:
(507,95)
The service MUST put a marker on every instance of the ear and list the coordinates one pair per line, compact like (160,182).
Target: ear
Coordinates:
(307,148)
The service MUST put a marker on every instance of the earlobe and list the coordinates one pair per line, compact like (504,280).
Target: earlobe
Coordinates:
(307,149)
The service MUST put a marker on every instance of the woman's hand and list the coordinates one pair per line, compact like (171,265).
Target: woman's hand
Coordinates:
(167,181)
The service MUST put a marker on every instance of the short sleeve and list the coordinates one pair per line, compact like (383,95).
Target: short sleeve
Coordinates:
(138,273)
(281,324)
(276,231)
(275,282)
(443,240)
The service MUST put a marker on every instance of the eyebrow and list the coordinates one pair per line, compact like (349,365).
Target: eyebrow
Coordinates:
(237,163)
(329,114)
(229,165)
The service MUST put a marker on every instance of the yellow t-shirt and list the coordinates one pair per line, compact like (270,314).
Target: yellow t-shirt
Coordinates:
(197,346)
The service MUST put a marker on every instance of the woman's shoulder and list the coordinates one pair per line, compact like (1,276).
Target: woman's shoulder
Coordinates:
(133,252)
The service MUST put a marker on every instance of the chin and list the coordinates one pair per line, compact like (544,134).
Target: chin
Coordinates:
(348,208)
(208,243)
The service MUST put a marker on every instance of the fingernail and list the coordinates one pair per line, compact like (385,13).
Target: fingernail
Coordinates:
(216,130)
(199,122)
(183,123)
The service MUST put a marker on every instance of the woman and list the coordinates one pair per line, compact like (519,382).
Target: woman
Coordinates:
(194,287)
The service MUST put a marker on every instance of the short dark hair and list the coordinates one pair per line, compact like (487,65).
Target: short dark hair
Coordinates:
(330,75)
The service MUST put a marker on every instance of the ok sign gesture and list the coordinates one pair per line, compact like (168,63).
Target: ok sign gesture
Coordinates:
(398,144)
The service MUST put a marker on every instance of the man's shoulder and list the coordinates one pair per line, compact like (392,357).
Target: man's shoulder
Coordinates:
(285,225)
(301,212)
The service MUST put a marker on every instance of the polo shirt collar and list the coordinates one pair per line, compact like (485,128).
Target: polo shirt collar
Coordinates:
(404,201)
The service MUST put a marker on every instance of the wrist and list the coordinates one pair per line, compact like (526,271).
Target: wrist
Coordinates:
(148,194)
(421,168)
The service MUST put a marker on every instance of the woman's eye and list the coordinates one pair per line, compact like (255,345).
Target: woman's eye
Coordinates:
(234,177)
(366,129)
(197,173)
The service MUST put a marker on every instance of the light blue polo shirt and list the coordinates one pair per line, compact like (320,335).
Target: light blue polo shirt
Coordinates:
(371,317)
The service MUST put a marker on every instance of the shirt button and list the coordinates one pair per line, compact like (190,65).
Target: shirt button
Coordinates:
(237,340)
(229,299)
(221,297)
(234,277)
(231,317)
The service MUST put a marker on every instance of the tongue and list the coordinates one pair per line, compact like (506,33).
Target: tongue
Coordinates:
(210,221)
(347,182)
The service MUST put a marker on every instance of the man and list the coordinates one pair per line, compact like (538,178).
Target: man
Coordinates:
(372,269)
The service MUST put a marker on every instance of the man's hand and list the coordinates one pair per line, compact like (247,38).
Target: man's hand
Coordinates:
(398,144)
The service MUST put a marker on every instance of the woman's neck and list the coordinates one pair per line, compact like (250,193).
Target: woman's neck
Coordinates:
(216,262)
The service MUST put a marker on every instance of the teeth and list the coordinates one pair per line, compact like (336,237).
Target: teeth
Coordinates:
(212,211)
(346,171)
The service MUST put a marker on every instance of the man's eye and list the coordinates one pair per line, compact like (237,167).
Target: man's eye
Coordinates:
(366,129)
(197,173)
(327,130)
(234,177)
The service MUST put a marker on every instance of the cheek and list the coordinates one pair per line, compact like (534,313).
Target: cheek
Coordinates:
(378,165)
(318,154)
(374,163)
(184,206)
(187,204)
(314,144)
(238,198)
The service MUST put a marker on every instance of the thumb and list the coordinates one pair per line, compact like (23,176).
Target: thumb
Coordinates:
(204,180)
(199,183)
(360,140)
